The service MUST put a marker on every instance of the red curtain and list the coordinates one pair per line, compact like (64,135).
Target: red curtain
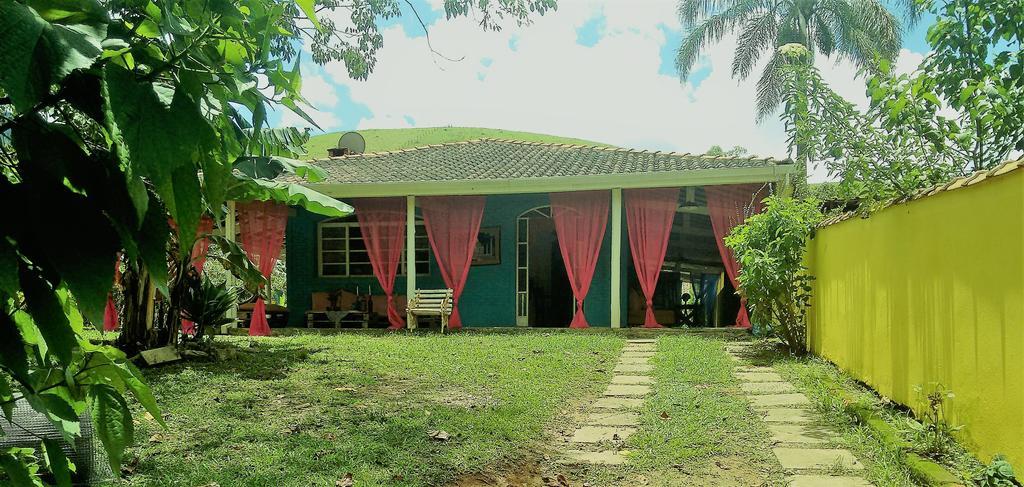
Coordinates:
(728,206)
(649,215)
(199,250)
(382,221)
(453,225)
(262,225)
(110,322)
(580,221)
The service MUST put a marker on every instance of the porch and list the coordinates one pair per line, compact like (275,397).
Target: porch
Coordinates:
(518,276)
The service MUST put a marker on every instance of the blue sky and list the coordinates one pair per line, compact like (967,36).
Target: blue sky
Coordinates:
(602,70)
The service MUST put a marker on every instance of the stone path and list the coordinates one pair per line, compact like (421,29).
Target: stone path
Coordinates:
(806,449)
(613,417)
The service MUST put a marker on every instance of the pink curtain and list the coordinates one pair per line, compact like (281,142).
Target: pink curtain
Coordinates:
(580,221)
(382,221)
(262,225)
(728,206)
(453,226)
(199,250)
(110,321)
(649,215)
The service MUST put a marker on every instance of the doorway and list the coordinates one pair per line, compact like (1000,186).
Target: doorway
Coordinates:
(543,294)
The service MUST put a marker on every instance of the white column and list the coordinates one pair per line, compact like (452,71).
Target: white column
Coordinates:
(616,309)
(229,235)
(410,247)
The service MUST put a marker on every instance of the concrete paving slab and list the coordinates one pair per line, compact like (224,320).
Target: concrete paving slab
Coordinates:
(634,360)
(759,377)
(594,457)
(597,434)
(632,368)
(774,400)
(627,390)
(643,347)
(632,379)
(767,387)
(618,402)
(816,458)
(638,354)
(612,419)
(826,481)
(752,368)
(788,416)
(801,433)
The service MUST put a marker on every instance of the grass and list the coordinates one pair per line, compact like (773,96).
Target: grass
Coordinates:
(392,139)
(309,409)
(696,428)
(834,393)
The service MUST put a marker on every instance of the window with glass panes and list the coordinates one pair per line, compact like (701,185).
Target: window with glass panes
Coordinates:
(342,251)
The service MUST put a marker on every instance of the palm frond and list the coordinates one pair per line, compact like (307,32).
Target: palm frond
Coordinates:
(825,40)
(690,12)
(711,30)
(769,88)
(759,34)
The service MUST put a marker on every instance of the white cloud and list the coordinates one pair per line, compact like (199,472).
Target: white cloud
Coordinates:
(610,92)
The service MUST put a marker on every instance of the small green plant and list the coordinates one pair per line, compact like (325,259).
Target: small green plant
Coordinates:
(933,434)
(206,304)
(773,279)
(999,473)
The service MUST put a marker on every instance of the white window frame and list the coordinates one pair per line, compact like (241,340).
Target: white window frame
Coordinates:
(421,234)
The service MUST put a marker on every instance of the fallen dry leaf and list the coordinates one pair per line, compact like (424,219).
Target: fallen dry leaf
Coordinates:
(664,415)
(439,435)
(345,481)
(345,389)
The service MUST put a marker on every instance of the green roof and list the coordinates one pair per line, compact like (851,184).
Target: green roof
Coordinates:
(498,159)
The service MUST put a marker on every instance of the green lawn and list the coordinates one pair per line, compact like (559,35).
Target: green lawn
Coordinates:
(308,409)
(392,139)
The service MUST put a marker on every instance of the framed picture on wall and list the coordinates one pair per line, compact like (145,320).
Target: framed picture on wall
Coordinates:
(488,247)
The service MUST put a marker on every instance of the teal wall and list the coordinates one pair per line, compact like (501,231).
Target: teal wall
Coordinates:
(489,297)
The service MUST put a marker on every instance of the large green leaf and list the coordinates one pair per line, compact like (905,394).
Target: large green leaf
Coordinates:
(290,194)
(8,268)
(113,422)
(152,242)
(17,472)
(133,380)
(57,462)
(42,303)
(12,348)
(274,166)
(37,54)
(309,9)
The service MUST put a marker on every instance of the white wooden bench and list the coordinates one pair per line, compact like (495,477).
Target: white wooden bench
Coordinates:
(430,302)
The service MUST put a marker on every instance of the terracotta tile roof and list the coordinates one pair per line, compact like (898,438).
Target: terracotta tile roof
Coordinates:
(957,183)
(498,159)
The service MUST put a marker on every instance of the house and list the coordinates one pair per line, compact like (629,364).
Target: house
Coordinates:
(518,274)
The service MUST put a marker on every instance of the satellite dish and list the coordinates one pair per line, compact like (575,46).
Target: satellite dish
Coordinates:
(352,143)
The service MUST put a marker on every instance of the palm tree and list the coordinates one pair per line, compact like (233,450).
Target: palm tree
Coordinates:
(859,30)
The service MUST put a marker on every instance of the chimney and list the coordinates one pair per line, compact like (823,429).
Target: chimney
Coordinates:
(337,151)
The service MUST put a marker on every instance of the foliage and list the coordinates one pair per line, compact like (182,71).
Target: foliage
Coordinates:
(109,112)
(858,30)
(873,163)
(962,110)
(207,303)
(999,473)
(736,151)
(933,434)
(966,99)
(770,248)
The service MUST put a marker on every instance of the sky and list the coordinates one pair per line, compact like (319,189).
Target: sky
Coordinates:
(601,70)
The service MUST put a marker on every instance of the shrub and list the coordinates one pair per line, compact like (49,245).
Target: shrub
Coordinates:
(770,248)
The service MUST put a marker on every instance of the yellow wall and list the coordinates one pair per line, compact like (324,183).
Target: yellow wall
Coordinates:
(933,291)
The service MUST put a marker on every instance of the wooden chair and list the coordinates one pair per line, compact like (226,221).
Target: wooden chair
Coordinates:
(430,302)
